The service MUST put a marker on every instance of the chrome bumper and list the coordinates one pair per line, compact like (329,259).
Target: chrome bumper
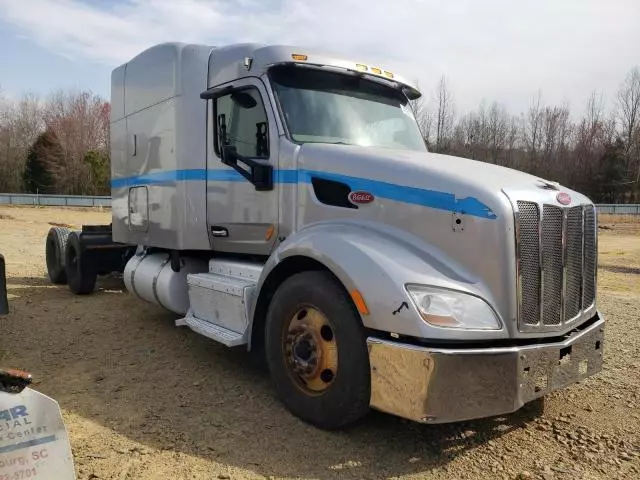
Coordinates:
(439,385)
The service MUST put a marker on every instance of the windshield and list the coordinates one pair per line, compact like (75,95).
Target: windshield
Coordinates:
(327,107)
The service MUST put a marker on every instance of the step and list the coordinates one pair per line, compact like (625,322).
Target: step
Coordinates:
(216,332)
(236,269)
(219,283)
(221,300)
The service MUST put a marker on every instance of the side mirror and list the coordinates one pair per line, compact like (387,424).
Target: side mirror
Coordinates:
(259,172)
(243,99)
(230,155)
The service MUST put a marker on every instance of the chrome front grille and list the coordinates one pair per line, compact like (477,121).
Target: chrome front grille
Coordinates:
(590,259)
(529,254)
(556,249)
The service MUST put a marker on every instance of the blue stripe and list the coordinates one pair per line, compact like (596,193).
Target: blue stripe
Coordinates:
(162,177)
(30,443)
(412,195)
(391,191)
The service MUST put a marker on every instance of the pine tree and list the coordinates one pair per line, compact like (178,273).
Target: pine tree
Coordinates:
(42,154)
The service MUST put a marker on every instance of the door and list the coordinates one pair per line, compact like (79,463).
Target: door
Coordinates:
(242,155)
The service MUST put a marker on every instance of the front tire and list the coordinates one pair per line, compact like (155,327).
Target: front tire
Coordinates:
(81,274)
(316,351)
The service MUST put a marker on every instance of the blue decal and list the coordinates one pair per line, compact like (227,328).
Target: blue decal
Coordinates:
(30,443)
(413,195)
(161,177)
(391,191)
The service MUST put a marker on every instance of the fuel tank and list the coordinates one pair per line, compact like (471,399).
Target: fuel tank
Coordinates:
(151,278)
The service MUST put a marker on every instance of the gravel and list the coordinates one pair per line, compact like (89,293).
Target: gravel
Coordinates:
(143,399)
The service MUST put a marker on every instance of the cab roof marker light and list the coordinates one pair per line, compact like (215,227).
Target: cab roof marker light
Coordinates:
(362,67)
(376,70)
(388,74)
(299,57)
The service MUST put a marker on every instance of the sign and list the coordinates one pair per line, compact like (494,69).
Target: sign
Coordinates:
(33,438)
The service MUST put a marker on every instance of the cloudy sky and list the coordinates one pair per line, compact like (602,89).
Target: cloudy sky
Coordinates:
(503,50)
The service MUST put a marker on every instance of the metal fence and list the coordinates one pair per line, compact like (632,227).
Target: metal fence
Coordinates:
(89,201)
(54,200)
(619,209)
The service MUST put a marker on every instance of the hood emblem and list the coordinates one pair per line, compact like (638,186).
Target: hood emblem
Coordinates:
(361,197)
(563,198)
(548,185)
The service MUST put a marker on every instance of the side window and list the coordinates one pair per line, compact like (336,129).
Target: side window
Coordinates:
(241,122)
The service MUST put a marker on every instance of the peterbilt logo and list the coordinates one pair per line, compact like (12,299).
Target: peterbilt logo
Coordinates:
(361,197)
(563,198)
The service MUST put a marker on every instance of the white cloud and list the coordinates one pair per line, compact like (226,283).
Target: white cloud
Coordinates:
(497,49)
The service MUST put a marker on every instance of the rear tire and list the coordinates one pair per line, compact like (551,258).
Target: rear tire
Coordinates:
(335,390)
(56,245)
(81,275)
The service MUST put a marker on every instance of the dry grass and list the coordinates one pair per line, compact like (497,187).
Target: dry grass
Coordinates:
(608,219)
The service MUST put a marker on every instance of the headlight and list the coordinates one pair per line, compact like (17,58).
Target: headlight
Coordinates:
(451,309)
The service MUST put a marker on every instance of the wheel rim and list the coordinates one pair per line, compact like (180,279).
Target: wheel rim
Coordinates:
(311,352)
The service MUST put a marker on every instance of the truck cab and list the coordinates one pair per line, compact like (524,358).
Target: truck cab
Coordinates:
(283,199)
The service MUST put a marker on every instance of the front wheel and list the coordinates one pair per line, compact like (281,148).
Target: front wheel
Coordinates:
(316,351)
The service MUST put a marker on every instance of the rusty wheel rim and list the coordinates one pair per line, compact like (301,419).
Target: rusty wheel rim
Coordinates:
(311,352)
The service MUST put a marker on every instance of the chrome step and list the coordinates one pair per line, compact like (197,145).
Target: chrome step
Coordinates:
(220,300)
(216,332)
(236,269)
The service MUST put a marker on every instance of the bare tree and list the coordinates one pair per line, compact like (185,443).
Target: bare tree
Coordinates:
(20,124)
(629,117)
(513,140)
(532,130)
(497,131)
(444,115)
(629,106)
(80,121)
(423,117)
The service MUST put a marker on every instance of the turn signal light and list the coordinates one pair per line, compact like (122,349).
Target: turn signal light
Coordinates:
(359,301)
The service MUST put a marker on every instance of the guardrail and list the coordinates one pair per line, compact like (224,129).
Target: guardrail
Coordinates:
(54,200)
(618,209)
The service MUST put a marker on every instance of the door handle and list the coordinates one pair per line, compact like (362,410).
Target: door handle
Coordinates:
(219,232)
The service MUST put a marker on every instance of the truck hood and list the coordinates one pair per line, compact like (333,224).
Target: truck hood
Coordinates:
(470,181)
(459,211)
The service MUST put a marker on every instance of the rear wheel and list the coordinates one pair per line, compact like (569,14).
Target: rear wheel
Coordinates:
(316,351)
(55,254)
(81,275)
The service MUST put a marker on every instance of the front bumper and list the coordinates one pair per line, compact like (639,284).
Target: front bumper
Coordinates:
(440,385)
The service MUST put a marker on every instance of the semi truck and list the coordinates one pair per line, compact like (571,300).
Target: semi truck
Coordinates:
(282,199)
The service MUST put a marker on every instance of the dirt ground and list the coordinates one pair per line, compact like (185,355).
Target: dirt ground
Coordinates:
(143,399)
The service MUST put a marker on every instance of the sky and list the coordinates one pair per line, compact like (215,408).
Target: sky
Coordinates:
(503,50)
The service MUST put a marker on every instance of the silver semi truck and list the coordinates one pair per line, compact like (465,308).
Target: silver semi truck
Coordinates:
(283,199)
